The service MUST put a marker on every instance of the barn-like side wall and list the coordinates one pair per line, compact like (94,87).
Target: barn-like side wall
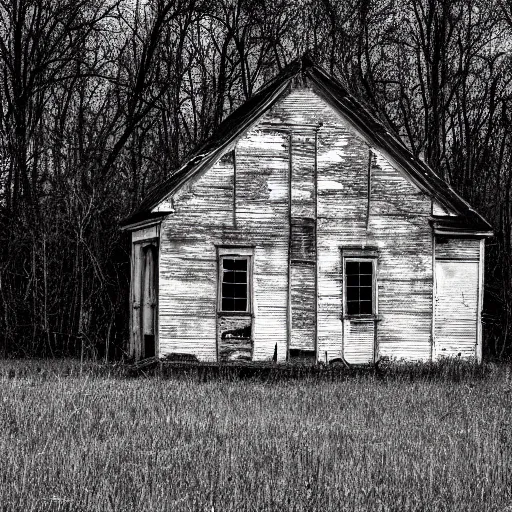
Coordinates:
(207,212)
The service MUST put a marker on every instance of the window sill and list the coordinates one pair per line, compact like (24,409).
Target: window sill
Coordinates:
(234,313)
(362,319)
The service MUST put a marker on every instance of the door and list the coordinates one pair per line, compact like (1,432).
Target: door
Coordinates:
(456,306)
(144,300)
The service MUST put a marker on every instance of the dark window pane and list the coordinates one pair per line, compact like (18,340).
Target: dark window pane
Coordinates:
(240,264)
(352,268)
(229,276)
(240,305)
(228,290)
(352,307)
(365,267)
(240,277)
(359,287)
(234,286)
(228,305)
(352,280)
(365,307)
(352,293)
(240,291)
(228,264)
(366,280)
(365,293)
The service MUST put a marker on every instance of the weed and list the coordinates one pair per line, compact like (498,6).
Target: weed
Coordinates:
(417,438)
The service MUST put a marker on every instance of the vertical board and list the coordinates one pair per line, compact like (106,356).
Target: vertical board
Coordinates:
(456,303)
(136,301)
(359,341)
(235,338)
(149,292)
(149,302)
(303,306)
(303,242)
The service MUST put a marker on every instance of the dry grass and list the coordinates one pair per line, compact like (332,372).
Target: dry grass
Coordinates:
(98,442)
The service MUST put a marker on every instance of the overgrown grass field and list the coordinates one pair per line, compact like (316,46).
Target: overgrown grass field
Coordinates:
(99,442)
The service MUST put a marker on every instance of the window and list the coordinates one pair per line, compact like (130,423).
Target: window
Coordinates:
(359,278)
(234,283)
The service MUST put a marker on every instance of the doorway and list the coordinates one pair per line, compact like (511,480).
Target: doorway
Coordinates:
(144,300)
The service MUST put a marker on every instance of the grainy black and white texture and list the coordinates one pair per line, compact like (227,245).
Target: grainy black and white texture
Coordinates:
(103,101)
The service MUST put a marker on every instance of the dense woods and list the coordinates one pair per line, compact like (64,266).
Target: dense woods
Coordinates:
(100,99)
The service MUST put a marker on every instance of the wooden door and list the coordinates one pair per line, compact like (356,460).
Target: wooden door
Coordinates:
(144,298)
(149,301)
(456,308)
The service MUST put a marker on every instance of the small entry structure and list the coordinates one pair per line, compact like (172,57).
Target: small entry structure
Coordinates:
(304,229)
(144,295)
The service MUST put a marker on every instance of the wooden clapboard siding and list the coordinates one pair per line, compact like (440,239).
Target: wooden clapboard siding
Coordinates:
(398,226)
(457,248)
(456,306)
(188,263)
(208,213)
(359,340)
(262,219)
(205,212)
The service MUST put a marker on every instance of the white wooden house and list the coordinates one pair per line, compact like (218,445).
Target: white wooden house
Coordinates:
(304,228)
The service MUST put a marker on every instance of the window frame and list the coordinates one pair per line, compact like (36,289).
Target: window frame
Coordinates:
(360,255)
(242,253)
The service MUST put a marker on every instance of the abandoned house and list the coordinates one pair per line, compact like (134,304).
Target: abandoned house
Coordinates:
(304,229)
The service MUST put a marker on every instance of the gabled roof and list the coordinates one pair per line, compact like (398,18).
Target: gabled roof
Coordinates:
(349,107)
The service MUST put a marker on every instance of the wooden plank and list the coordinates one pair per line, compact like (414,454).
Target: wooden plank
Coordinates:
(458,248)
(457,301)
(481,272)
(148,233)
(303,306)
(136,300)
(235,338)
(359,341)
